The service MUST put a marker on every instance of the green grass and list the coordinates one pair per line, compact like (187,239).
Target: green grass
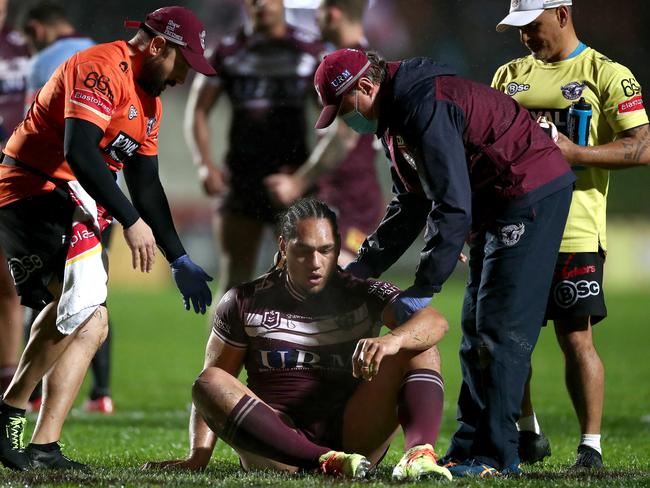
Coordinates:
(158,351)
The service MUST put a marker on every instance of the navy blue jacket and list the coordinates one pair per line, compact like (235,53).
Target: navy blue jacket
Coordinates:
(461,154)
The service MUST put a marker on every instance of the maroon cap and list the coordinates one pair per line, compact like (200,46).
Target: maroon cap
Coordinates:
(180,27)
(336,75)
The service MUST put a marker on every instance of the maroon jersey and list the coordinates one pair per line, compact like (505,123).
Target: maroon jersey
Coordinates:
(14,61)
(268,82)
(299,348)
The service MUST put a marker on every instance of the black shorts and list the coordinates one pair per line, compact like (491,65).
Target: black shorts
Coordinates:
(34,233)
(577,289)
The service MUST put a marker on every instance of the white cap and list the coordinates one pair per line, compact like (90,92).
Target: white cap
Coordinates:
(523,12)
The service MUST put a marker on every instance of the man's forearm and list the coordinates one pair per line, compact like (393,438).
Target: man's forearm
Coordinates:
(423,330)
(631,150)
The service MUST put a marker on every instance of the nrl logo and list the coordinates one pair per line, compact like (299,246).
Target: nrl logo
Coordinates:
(271,319)
(573,90)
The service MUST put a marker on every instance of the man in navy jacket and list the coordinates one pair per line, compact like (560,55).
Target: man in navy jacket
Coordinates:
(468,164)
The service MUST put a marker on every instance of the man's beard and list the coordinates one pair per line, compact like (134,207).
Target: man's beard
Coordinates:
(151,78)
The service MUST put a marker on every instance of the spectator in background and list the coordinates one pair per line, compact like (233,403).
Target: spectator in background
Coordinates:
(343,162)
(14,59)
(266,70)
(53,39)
(560,70)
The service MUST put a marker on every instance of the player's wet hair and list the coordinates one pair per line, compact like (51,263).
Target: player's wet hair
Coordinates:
(378,68)
(306,208)
(353,9)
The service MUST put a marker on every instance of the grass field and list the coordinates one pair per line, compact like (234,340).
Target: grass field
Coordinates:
(158,351)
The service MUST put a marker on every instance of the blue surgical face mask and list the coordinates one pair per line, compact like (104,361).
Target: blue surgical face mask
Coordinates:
(357,122)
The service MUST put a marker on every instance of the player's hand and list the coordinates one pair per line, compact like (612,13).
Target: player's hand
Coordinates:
(212,179)
(462,258)
(191,281)
(410,301)
(284,189)
(189,464)
(142,243)
(370,352)
(549,127)
(568,148)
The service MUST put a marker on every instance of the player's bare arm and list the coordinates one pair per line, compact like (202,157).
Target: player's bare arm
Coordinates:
(422,331)
(202,440)
(328,153)
(202,99)
(631,149)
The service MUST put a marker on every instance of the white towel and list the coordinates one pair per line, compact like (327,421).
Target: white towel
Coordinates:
(85,275)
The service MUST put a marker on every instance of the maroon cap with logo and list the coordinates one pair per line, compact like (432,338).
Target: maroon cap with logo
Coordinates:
(180,27)
(336,75)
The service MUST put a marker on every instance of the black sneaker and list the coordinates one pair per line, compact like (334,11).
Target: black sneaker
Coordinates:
(533,447)
(12,452)
(588,459)
(53,459)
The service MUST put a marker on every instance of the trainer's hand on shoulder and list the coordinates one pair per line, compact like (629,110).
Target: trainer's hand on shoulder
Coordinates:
(370,352)
(142,243)
(284,189)
(189,464)
(191,281)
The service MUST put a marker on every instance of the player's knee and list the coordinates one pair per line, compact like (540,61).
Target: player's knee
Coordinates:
(96,327)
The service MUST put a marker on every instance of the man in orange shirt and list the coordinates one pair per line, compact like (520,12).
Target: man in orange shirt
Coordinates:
(99,113)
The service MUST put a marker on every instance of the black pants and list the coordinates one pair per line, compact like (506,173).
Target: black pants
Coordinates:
(510,271)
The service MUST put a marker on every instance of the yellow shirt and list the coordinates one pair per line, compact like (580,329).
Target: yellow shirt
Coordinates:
(615,97)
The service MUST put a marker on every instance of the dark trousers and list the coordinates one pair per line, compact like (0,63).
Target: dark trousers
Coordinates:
(510,270)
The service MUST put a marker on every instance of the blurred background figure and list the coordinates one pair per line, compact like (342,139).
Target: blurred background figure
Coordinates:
(266,71)
(53,39)
(14,59)
(343,162)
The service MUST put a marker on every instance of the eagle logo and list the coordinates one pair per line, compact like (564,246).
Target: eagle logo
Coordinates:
(573,90)
(510,234)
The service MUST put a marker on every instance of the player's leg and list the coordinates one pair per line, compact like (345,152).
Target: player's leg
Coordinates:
(533,444)
(407,391)
(585,381)
(10,325)
(239,237)
(249,425)
(60,387)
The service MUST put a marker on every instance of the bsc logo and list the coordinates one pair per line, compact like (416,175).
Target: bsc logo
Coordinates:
(567,293)
(514,88)
(21,268)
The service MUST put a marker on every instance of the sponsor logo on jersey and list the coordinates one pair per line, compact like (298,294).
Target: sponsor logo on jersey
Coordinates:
(92,101)
(567,293)
(124,66)
(573,90)
(221,324)
(557,116)
(510,235)
(22,268)
(133,112)
(631,105)
(122,147)
(514,88)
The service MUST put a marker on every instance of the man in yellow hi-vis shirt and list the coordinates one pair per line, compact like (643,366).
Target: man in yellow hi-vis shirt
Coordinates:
(560,71)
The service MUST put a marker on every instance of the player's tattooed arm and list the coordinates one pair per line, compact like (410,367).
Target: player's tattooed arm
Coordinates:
(630,149)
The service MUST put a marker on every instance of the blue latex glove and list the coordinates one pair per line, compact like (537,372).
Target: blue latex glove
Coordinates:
(410,301)
(358,270)
(191,281)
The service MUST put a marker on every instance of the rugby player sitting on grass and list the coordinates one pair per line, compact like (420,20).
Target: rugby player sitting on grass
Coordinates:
(306,333)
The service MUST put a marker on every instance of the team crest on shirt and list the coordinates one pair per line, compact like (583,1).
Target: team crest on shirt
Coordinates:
(510,234)
(133,112)
(150,123)
(573,90)
(271,319)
